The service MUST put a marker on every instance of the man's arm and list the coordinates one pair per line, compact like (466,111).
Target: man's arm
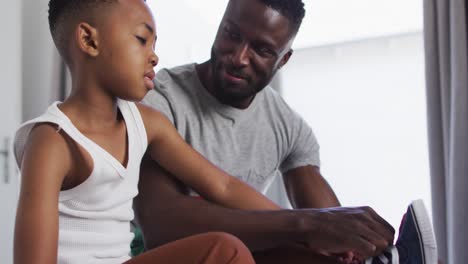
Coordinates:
(307,188)
(165,213)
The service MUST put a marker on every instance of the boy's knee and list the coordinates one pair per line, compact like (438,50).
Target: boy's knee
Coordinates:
(231,247)
(225,238)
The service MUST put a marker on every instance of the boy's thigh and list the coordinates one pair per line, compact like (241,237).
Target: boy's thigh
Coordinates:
(213,247)
(291,254)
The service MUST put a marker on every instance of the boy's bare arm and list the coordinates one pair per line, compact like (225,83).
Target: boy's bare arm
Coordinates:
(165,213)
(169,149)
(44,166)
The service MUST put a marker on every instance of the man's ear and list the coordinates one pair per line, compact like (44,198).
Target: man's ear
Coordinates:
(87,38)
(285,59)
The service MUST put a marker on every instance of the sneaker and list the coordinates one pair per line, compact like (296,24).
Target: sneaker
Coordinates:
(389,256)
(416,243)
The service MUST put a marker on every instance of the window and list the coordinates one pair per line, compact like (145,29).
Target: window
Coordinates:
(365,101)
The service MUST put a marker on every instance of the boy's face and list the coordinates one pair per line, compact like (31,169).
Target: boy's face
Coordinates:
(126,56)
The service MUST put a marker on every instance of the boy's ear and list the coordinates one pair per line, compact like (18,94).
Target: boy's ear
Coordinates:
(87,37)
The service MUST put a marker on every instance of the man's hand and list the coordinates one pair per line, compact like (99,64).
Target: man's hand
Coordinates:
(165,214)
(360,227)
(343,229)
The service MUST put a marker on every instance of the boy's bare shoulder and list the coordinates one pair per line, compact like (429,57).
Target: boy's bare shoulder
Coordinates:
(153,119)
(47,133)
(148,112)
(47,142)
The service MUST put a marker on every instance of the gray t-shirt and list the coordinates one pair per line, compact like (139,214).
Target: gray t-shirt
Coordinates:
(253,144)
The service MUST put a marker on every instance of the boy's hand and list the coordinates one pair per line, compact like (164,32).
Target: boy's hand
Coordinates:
(344,258)
(349,258)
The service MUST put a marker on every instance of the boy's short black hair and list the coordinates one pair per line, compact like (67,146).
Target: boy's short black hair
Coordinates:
(61,15)
(291,9)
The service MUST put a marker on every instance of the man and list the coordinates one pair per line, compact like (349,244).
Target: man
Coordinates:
(226,111)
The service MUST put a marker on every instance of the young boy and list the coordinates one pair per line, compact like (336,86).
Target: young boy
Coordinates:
(80,160)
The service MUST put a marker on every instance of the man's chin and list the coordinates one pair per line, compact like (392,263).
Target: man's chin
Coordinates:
(234,93)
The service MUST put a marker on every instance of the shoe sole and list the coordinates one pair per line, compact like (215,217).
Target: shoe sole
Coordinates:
(424,228)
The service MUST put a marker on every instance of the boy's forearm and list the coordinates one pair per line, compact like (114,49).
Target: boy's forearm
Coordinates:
(165,214)
(187,216)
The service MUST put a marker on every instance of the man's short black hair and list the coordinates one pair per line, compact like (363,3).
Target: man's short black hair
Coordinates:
(291,9)
(63,12)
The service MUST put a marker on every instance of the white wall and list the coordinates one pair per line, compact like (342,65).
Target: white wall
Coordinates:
(10,95)
(26,89)
(10,68)
(366,103)
(189,37)
(39,59)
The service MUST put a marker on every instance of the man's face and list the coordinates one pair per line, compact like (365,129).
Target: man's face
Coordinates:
(252,42)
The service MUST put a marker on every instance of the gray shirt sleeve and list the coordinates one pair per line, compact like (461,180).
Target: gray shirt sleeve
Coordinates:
(305,148)
(159,101)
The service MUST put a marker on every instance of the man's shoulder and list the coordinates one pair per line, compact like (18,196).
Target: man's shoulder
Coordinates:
(271,94)
(172,84)
(279,110)
(175,91)
(274,101)
(167,77)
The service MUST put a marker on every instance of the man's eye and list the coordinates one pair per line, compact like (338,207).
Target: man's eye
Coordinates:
(265,52)
(142,40)
(231,34)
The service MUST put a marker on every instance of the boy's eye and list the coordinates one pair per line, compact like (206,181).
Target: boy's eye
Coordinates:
(142,40)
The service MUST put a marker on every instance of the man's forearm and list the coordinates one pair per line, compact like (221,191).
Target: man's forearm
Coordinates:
(308,189)
(166,214)
(259,230)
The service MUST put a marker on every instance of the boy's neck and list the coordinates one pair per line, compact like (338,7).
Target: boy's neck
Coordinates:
(90,105)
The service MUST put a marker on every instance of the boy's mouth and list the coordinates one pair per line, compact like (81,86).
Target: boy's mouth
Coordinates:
(149,76)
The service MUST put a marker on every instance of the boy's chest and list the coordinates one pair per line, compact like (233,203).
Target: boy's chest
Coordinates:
(113,140)
(112,143)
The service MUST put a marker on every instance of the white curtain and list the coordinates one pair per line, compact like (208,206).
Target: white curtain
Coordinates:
(445,29)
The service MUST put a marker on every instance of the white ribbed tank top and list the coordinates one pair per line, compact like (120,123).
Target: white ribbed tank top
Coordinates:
(94,217)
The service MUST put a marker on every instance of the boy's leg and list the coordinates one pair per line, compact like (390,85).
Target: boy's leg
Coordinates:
(291,254)
(213,247)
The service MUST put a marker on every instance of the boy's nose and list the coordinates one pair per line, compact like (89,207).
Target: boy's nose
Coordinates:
(154,59)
